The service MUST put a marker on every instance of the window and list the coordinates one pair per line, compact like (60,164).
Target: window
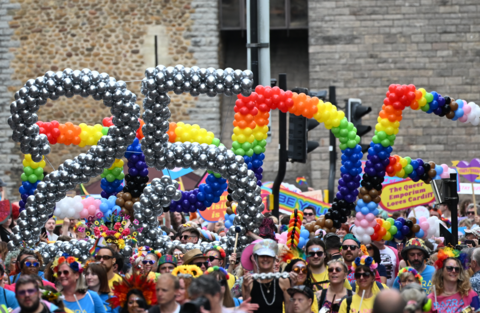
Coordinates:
(284,14)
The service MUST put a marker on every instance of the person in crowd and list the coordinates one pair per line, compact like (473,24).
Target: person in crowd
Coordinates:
(196,257)
(177,220)
(11,261)
(309,214)
(167,263)
(50,228)
(435,212)
(7,297)
(333,245)
(375,254)
(267,293)
(470,212)
(106,257)
(445,211)
(315,250)
(301,299)
(302,276)
(342,231)
(29,297)
(4,277)
(350,251)
(416,299)
(471,236)
(6,232)
(453,291)
(3,251)
(415,254)
(51,295)
(170,232)
(166,290)
(390,260)
(72,286)
(177,252)
(137,266)
(365,286)
(475,266)
(330,298)
(233,262)
(118,267)
(182,295)
(135,303)
(462,207)
(389,301)
(216,256)
(222,276)
(150,262)
(97,280)
(189,234)
(407,276)
(28,263)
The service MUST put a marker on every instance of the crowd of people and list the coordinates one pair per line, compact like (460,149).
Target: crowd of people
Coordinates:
(333,272)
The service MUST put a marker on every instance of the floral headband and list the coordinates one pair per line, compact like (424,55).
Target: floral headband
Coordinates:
(187,271)
(220,249)
(79,227)
(413,271)
(217,268)
(51,296)
(72,262)
(365,260)
(448,252)
(143,251)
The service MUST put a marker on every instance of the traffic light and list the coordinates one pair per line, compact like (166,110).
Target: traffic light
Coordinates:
(355,112)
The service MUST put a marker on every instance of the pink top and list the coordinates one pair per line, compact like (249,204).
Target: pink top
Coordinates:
(11,287)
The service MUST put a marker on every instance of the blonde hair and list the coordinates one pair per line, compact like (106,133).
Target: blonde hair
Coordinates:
(463,283)
(81,284)
(414,297)
(403,276)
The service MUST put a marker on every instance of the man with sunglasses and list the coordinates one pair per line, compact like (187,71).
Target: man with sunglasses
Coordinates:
(416,255)
(189,235)
(196,257)
(106,257)
(301,299)
(27,264)
(309,214)
(316,255)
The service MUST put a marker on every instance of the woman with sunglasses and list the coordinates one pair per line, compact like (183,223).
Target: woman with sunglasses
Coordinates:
(97,280)
(150,263)
(453,291)
(375,254)
(299,269)
(178,252)
(78,298)
(366,288)
(329,299)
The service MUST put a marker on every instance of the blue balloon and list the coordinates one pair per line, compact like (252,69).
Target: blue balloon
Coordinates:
(360,203)
(372,206)
(365,211)
(304,233)
(228,224)
(301,242)
(420,234)
(376,212)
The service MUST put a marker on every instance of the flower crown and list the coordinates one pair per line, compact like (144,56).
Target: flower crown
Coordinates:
(143,251)
(217,268)
(449,252)
(365,260)
(220,249)
(72,262)
(411,270)
(79,227)
(187,271)
(50,296)
(117,232)
(364,250)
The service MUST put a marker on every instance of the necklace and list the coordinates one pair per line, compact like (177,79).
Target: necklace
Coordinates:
(274,293)
(267,285)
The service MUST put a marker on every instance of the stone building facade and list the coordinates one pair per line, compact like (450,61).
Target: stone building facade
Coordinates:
(360,46)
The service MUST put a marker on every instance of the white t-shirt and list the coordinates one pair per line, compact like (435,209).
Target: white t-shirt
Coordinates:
(389,260)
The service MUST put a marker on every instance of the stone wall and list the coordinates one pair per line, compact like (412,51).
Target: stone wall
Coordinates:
(107,36)
(364,46)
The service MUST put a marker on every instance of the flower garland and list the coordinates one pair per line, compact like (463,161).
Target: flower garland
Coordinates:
(364,250)
(449,252)
(217,268)
(220,250)
(365,260)
(143,251)
(117,233)
(411,270)
(73,262)
(187,271)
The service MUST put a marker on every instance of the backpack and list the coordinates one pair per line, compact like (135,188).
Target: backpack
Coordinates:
(323,296)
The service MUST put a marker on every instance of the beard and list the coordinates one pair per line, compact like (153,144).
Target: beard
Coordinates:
(417,264)
(32,308)
(349,257)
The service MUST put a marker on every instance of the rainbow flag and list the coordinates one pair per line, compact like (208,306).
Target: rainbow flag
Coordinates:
(100,242)
(301,181)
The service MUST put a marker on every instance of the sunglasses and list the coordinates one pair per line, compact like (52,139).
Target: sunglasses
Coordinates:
(360,275)
(223,282)
(299,270)
(151,262)
(452,268)
(308,214)
(315,253)
(369,248)
(199,264)
(211,258)
(65,273)
(471,213)
(27,292)
(32,264)
(105,257)
(179,256)
(168,268)
(351,247)
(185,237)
(335,269)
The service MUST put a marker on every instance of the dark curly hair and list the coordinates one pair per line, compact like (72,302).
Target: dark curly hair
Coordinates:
(309,281)
(267,229)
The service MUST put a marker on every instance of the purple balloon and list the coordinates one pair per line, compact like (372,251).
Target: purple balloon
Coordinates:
(350,198)
(144,172)
(133,171)
(405,230)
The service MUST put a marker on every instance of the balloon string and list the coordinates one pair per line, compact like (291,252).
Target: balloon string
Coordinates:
(131,81)
(49,162)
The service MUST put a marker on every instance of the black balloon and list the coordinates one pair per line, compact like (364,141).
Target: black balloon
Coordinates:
(409,223)
(328,216)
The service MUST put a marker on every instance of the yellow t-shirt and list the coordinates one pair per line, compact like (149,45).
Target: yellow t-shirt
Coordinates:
(231,281)
(323,277)
(367,305)
(116,278)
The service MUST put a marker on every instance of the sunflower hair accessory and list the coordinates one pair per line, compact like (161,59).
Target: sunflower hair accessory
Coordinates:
(73,262)
(364,250)
(50,296)
(365,260)
(217,268)
(187,271)
(411,270)
(449,253)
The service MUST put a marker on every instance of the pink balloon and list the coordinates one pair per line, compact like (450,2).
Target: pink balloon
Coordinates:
(425,226)
(359,216)
(373,223)
(364,223)
(370,217)
(84,213)
(467,109)
(92,210)
(464,118)
(445,173)
(422,219)
(357,222)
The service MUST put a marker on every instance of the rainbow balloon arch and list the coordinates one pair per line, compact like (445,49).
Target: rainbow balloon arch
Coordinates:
(168,145)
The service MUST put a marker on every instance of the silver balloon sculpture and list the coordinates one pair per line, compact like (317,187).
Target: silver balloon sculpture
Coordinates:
(28,99)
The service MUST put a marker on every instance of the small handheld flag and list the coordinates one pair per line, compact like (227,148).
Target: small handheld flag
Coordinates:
(301,181)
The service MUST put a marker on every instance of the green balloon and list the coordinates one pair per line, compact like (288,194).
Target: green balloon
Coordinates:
(351,143)
(429,97)
(375,139)
(240,152)
(40,177)
(24,177)
(121,176)
(236,145)
(246,146)
(336,131)
(343,146)
(382,135)
(391,221)
(425,108)
(350,126)
(28,170)
(344,133)
(38,171)
(408,169)
(385,143)
(393,229)
(343,139)
(344,123)
(216,141)
(352,134)
(259,149)
(263,143)
(116,171)
(217,175)
(357,139)
(32,178)
(104,131)
(250,152)
(409,159)
(110,178)
(392,137)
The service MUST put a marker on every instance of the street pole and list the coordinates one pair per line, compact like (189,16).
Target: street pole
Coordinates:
(252,40)
(282,150)
(264,51)
(333,150)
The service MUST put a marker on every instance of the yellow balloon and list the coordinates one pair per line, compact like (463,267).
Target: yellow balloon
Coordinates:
(404,162)
(401,173)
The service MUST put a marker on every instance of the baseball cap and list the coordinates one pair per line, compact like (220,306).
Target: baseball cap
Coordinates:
(300,289)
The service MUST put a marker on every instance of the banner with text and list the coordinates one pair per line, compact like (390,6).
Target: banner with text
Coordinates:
(405,194)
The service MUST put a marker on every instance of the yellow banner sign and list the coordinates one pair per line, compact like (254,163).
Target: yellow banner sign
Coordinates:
(405,194)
